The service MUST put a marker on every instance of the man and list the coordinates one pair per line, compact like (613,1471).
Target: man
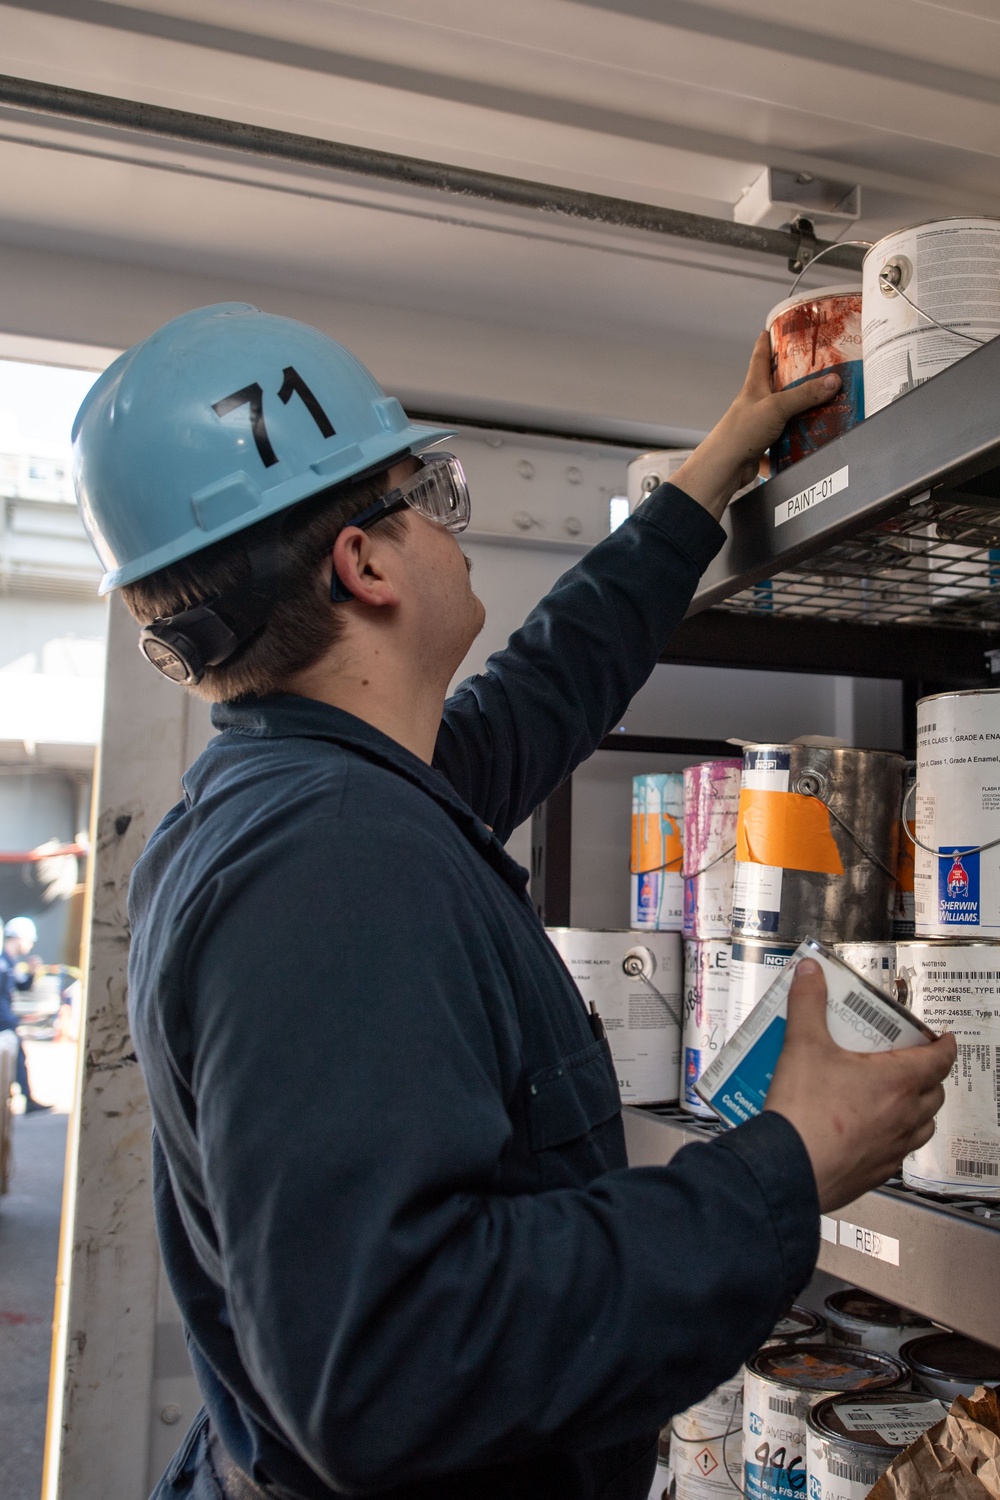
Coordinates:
(394,1208)
(19,937)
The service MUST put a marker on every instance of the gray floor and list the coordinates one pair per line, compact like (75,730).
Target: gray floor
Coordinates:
(29,1243)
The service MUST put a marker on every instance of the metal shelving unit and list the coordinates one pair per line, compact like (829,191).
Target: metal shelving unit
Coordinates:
(877,556)
(940,1258)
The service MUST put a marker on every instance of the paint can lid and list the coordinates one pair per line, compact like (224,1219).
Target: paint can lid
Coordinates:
(951,1356)
(865,1307)
(820,1367)
(876,1420)
(797,1325)
(817,295)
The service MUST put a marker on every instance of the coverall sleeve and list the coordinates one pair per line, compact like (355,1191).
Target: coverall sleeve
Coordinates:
(400,1316)
(512,734)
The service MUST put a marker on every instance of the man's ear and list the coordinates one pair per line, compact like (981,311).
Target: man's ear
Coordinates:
(358,559)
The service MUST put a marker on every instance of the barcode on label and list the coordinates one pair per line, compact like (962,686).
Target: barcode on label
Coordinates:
(969,974)
(996,1082)
(851,1471)
(966,1168)
(782,1405)
(864,1008)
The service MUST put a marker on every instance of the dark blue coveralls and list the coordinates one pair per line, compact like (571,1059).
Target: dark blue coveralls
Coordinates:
(390,1173)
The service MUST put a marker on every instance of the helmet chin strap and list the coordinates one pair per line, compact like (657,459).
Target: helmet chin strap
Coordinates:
(183,645)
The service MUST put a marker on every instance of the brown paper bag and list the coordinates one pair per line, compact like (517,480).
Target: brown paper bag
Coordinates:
(959,1458)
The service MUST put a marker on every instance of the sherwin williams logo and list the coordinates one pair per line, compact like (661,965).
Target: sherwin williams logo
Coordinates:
(958,887)
(692,1072)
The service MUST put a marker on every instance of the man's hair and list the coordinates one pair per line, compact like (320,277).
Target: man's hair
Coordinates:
(303,624)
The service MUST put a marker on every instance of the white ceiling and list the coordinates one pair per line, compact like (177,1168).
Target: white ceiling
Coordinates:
(674,102)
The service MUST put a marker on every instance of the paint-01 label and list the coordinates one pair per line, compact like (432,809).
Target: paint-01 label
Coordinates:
(822,490)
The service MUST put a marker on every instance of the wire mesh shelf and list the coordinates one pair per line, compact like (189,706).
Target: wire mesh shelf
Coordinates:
(937,563)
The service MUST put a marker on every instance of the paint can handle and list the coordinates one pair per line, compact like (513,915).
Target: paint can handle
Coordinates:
(910,791)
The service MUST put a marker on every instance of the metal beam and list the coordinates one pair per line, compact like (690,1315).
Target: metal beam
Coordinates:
(407,171)
(784,643)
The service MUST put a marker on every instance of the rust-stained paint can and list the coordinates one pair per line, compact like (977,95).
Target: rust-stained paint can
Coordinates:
(812,334)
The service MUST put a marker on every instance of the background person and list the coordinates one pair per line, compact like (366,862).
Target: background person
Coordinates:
(17,974)
(394,1204)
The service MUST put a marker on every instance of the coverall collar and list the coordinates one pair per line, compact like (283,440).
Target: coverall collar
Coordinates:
(286,715)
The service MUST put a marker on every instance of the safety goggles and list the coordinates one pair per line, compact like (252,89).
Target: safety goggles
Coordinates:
(438,490)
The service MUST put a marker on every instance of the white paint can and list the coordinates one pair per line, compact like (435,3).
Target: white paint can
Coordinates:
(860,1320)
(956,880)
(634,984)
(706,1011)
(753,968)
(947,1365)
(711,803)
(949,269)
(955,986)
(781,1384)
(851,1441)
(876,961)
(657,852)
(663,1475)
(706,1446)
(799,1325)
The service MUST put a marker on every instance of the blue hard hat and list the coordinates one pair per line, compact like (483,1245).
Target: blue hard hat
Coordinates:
(224,416)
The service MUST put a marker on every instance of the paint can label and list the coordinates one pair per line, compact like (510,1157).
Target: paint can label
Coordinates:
(657,852)
(711,804)
(774,1439)
(954,987)
(757,887)
(956,881)
(753,968)
(859,1017)
(706,1445)
(815,332)
(706,1008)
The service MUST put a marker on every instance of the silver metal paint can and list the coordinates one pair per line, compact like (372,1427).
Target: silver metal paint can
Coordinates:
(861,1320)
(947,269)
(706,1011)
(949,1365)
(816,843)
(851,1441)
(753,968)
(955,986)
(956,879)
(781,1384)
(634,982)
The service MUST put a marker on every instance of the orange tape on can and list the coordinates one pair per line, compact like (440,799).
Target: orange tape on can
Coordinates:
(788,831)
(656,843)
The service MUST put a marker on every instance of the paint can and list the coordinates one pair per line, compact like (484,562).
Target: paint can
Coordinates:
(816,843)
(861,1320)
(635,987)
(852,1440)
(711,802)
(859,1017)
(647,472)
(706,1008)
(706,1450)
(902,920)
(947,269)
(657,852)
(956,878)
(955,986)
(876,961)
(799,1325)
(706,1447)
(948,1364)
(811,333)
(781,1384)
(753,967)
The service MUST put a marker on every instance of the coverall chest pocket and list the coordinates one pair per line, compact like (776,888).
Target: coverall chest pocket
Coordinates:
(570,1106)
